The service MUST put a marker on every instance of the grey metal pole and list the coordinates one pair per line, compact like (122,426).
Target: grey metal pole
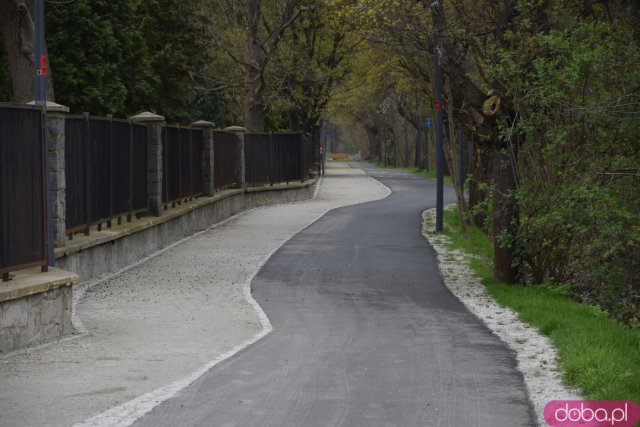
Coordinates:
(406,133)
(462,155)
(322,145)
(40,73)
(40,59)
(428,149)
(439,138)
(418,134)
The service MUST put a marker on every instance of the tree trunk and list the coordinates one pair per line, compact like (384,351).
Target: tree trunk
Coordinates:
(254,104)
(505,216)
(482,176)
(17,20)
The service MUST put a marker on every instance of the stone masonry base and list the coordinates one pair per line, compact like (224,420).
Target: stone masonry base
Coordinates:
(35,308)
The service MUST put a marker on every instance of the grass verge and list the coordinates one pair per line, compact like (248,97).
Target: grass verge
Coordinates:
(598,355)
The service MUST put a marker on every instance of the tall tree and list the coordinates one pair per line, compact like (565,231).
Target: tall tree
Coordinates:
(310,64)
(99,56)
(264,33)
(18,28)
(176,35)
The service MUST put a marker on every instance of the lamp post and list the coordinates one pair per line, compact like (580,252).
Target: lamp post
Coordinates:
(40,72)
(439,137)
(40,60)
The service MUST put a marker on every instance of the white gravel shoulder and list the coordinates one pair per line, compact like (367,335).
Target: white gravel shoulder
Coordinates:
(536,355)
(153,328)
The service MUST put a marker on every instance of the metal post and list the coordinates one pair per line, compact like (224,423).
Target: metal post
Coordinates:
(439,138)
(40,59)
(323,147)
(462,155)
(428,149)
(406,133)
(40,70)
(418,134)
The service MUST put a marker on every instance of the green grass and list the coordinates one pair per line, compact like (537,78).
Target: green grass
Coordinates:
(598,355)
(413,169)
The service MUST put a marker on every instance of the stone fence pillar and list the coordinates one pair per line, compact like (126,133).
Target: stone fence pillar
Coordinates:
(154,123)
(56,182)
(239,166)
(207,156)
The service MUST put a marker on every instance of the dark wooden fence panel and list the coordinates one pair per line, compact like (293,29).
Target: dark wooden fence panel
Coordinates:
(287,148)
(76,173)
(22,190)
(100,170)
(277,157)
(106,171)
(224,157)
(120,155)
(307,155)
(171,159)
(258,159)
(182,153)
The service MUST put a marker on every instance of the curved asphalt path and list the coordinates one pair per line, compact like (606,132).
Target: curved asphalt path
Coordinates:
(365,334)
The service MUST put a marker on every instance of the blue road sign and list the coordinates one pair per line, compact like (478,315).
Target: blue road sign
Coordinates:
(428,123)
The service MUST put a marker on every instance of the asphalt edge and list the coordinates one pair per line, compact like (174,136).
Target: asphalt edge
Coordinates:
(535,353)
(127,413)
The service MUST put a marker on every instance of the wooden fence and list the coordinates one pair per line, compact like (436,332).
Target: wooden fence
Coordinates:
(277,157)
(107,178)
(224,158)
(23,233)
(182,157)
(106,171)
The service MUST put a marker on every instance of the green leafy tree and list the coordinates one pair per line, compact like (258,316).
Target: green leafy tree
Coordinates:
(98,56)
(176,34)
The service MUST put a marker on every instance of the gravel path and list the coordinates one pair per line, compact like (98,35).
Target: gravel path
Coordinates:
(154,327)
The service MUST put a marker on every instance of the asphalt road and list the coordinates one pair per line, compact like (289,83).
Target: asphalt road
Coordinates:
(365,334)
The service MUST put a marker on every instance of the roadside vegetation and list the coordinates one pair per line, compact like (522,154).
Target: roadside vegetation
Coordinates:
(597,354)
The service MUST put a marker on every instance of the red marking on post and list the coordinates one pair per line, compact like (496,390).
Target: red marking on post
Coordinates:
(43,65)
(437,105)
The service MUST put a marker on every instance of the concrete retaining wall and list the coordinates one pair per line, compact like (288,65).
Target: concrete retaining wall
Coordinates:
(104,257)
(35,308)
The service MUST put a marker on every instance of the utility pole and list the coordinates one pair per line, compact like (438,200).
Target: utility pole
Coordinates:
(323,145)
(40,59)
(40,74)
(462,156)
(428,124)
(418,134)
(406,131)
(439,137)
